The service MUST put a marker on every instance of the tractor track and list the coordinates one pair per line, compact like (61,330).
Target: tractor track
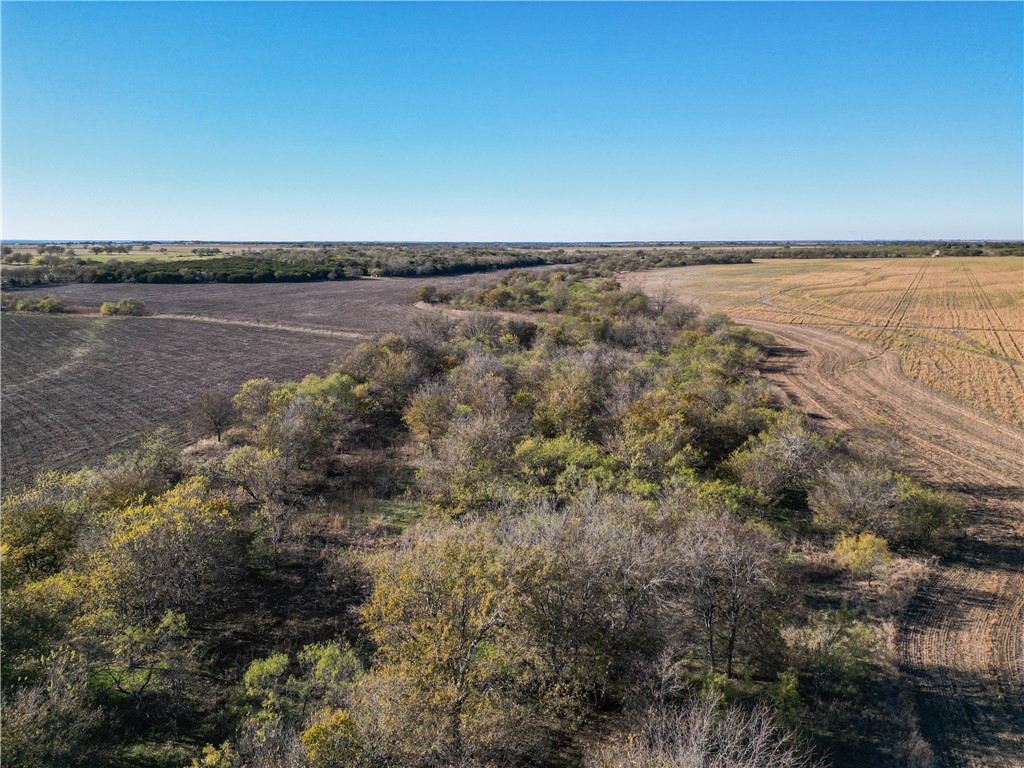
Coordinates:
(960,644)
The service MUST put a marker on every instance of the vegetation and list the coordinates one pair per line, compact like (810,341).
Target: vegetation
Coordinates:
(463,545)
(333,262)
(45,304)
(129,307)
(952,322)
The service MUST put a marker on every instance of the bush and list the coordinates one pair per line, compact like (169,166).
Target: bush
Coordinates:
(126,307)
(54,723)
(703,734)
(854,498)
(839,652)
(863,554)
(46,304)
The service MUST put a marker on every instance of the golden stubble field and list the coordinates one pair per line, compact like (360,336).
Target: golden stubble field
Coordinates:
(957,324)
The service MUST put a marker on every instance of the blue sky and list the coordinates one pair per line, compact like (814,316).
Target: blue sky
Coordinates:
(512,121)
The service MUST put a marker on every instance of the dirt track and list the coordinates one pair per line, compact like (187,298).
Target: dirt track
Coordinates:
(961,644)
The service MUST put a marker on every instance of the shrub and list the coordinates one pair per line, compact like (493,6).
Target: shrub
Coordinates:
(862,553)
(54,723)
(838,651)
(46,304)
(854,498)
(703,734)
(127,307)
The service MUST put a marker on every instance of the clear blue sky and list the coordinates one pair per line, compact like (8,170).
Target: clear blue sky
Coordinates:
(514,121)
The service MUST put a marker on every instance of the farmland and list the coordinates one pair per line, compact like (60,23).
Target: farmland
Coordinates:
(956,325)
(78,387)
(846,334)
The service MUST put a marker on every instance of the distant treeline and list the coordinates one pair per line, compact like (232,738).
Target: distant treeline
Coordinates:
(297,265)
(340,262)
(885,250)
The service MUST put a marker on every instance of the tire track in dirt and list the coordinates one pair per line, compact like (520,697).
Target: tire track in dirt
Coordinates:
(267,326)
(990,311)
(960,643)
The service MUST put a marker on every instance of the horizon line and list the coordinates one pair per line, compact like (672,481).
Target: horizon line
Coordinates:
(745,241)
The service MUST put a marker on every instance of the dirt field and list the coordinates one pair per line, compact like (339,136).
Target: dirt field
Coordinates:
(961,644)
(955,324)
(77,388)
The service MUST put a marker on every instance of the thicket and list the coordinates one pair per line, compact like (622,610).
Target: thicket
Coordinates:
(339,263)
(43,304)
(464,546)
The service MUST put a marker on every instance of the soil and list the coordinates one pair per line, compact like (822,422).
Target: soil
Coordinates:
(961,641)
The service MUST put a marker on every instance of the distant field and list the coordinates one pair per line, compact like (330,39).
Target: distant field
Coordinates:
(957,324)
(77,388)
(172,254)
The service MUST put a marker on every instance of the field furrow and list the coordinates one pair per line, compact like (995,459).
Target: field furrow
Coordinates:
(961,642)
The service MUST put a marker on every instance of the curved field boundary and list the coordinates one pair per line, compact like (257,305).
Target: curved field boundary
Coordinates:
(961,642)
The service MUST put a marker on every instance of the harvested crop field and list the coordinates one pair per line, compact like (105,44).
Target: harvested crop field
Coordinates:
(961,643)
(955,324)
(78,387)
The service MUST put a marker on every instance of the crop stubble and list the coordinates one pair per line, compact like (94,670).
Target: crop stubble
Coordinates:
(957,325)
(961,643)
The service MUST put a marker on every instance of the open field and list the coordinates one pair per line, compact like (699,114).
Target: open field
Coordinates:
(956,325)
(76,388)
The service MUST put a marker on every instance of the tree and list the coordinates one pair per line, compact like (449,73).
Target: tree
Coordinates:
(437,616)
(727,576)
(213,411)
(862,553)
(40,524)
(702,734)
(53,724)
(781,462)
(171,553)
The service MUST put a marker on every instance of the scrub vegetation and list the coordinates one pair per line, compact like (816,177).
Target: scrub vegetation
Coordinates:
(579,532)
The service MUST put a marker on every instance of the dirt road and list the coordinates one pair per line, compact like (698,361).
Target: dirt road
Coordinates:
(961,644)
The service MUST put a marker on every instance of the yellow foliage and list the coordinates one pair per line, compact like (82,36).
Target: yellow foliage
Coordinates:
(161,554)
(862,553)
(332,740)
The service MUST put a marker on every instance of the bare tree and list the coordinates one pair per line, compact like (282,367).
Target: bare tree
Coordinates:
(701,735)
(727,574)
(213,411)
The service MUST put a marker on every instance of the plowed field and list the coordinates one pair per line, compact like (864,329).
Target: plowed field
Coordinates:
(75,388)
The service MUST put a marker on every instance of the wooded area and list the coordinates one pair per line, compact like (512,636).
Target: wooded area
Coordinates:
(583,536)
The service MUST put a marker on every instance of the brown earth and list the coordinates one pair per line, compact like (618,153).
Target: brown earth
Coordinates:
(78,387)
(961,643)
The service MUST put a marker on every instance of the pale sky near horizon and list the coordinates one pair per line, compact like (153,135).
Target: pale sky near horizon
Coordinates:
(512,121)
